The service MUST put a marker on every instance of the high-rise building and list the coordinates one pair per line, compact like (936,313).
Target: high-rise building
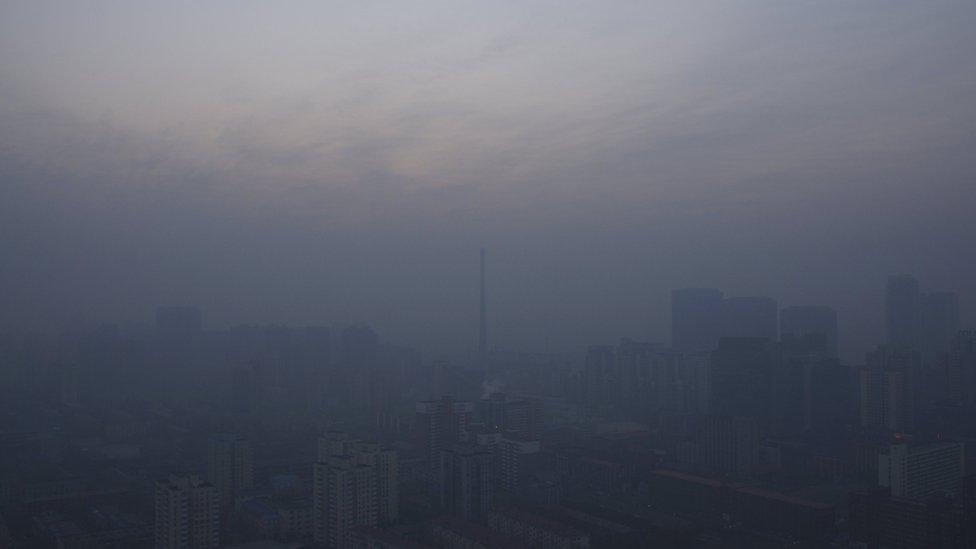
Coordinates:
(798,321)
(187,514)
(466,485)
(750,317)
(230,466)
(903,313)
(514,453)
(888,390)
(440,424)
(344,497)
(920,471)
(695,318)
(521,416)
(382,460)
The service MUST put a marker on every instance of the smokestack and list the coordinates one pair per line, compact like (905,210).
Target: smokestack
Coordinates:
(483,328)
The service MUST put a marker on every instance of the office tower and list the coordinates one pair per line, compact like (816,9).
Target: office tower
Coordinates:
(888,389)
(741,376)
(482,316)
(466,486)
(903,318)
(750,317)
(344,497)
(187,512)
(921,471)
(440,424)
(600,376)
(960,369)
(230,466)
(940,323)
(798,321)
(695,318)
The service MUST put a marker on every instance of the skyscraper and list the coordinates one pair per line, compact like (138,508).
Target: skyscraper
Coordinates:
(903,317)
(695,318)
(187,514)
(230,466)
(466,485)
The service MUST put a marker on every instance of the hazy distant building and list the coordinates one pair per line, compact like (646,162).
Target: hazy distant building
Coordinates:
(696,316)
(466,486)
(800,321)
(903,313)
(920,471)
(750,317)
(230,466)
(521,416)
(888,388)
(187,514)
(514,453)
(440,424)
(344,497)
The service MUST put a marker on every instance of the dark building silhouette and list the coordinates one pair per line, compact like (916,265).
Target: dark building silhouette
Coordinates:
(466,486)
(889,388)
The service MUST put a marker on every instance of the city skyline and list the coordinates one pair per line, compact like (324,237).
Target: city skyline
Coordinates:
(321,167)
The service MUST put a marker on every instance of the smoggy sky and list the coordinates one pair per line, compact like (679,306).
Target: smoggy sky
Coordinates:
(336,162)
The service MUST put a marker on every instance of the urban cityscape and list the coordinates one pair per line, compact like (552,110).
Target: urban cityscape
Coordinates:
(465,275)
(747,430)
